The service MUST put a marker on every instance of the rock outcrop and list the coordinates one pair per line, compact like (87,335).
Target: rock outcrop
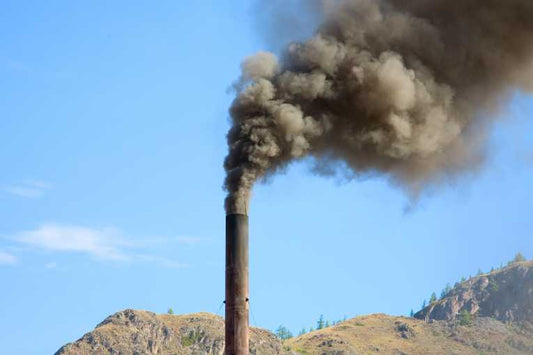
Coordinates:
(505,294)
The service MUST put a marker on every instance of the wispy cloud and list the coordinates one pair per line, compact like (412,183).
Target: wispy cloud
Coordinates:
(23,191)
(38,184)
(28,188)
(103,243)
(107,244)
(7,259)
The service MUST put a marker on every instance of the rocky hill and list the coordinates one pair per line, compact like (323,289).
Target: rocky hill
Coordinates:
(382,334)
(505,294)
(139,332)
(501,322)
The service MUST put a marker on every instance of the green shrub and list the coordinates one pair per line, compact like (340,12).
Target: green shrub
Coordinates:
(465,318)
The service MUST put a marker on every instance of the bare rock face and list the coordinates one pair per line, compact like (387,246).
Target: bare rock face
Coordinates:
(139,332)
(505,294)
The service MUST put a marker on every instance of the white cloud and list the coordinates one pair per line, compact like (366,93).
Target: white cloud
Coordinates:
(28,188)
(103,243)
(7,259)
(23,191)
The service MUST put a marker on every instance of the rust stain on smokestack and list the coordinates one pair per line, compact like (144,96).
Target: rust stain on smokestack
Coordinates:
(237,331)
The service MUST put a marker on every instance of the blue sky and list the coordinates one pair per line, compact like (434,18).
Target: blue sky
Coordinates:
(112,135)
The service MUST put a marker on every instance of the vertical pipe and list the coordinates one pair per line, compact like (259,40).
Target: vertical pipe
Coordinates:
(237,333)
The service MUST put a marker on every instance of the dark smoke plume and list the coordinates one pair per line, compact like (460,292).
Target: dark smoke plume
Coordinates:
(404,88)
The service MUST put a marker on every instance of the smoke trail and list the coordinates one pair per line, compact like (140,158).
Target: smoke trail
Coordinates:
(407,89)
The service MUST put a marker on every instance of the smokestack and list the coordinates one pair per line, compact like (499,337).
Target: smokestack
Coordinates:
(237,332)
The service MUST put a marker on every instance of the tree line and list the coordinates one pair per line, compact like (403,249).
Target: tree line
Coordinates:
(283,333)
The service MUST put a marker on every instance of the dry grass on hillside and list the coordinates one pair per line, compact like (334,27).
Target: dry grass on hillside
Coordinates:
(400,335)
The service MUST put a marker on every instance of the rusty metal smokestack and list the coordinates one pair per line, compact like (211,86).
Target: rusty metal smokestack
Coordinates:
(237,331)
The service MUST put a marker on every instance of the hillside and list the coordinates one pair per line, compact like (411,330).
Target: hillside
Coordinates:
(500,321)
(382,334)
(505,294)
(139,332)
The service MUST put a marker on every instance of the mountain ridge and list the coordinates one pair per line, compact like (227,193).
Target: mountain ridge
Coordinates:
(499,306)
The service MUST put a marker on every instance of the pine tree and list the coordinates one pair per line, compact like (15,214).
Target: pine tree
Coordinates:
(424,304)
(412,313)
(283,333)
(320,323)
(170,311)
(327,324)
(433,298)
(302,332)
(446,290)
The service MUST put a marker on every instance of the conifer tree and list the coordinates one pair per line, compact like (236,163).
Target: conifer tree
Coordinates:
(446,290)
(320,323)
(433,298)
(283,333)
